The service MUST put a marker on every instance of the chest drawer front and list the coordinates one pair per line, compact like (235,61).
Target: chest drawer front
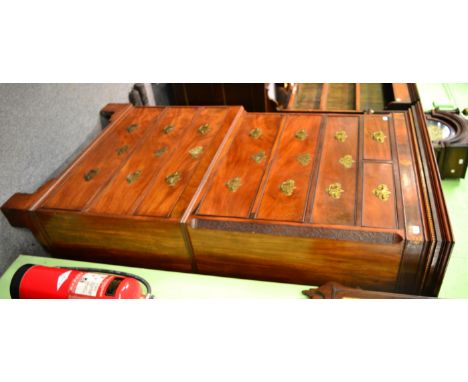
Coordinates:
(335,194)
(379,206)
(124,192)
(377,138)
(239,173)
(288,181)
(94,169)
(168,185)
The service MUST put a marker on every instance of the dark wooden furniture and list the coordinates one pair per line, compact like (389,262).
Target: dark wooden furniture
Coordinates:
(252,96)
(351,97)
(333,290)
(449,134)
(291,197)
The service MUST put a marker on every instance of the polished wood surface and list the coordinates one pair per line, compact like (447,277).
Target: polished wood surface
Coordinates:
(292,197)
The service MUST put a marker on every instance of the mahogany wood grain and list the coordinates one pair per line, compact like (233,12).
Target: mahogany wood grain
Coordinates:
(238,163)
(268,257)
(324,96)
(286,165)
(377,212)
(401,93)
(374,149)
(402,244)
(329,210)
(112,238)
(75,191)
(120,195)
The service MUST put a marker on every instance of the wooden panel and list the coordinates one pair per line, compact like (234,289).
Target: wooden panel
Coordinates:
(122,193)
(161,197)
(327,209)
(375,211)
(401,93)
(376,126)
(103,160)
(238,162)
(298,260)
(294,160)
(116,240)
(372,96)
(308,96)
(341,97)
(411,202)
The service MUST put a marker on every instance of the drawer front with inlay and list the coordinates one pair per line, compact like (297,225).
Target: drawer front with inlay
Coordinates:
(288,183)
(87,176)
(238,175)
(335,194)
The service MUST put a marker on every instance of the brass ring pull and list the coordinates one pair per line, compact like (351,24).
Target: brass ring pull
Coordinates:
(203,129)
(341,136)
(347,161)
(378,136)
(255,133)
(132,128)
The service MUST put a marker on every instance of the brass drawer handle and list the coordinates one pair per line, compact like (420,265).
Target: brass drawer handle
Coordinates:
(379,136)
(288,187)
(334,190)
(173,179)
(300,135)
(91,174)
(233,184)
(122,150)
(161,151)
(196,151)
(347,161)
(132,128)
(304,159)
(132,177)
(341,136)
(255,133)
(203,129)
(258,157)
(382,192)
(168,129)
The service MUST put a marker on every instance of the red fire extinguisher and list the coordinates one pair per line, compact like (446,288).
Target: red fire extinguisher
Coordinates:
(38,281)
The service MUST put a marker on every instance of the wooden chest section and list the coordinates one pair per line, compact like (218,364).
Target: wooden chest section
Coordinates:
(301,198)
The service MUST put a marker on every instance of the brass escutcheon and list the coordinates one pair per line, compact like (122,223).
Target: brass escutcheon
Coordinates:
(258,157)
(173,179)
(334,190)
(347,161)
(255,133)
(382,192)
(196,151)
(132,177)
(168,129)
(341,136)
(379,136)
(131,128)
(122,150)
(203,129)
(161,151)
(288,187)
(304,159)
(91,174)
(233,184)
(300,134)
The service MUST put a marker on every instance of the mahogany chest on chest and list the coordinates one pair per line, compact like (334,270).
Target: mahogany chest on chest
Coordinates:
(294,197)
